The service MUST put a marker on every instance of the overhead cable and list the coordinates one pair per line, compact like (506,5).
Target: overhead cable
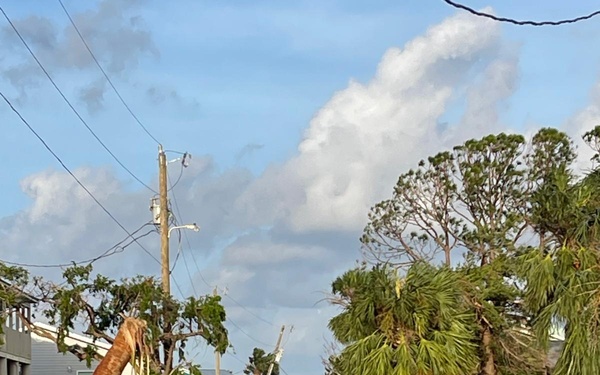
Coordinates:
(39,63)
(520,22)
(64,166)
(105,74)
(115,249)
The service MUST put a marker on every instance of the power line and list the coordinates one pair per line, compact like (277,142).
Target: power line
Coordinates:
(247,334)
(518,22)
(105,74)
(179,247)
(249,311)
(177,180)
(122,101)
(180,250)
(178,214)
(73,175)
(237,359)
(69,103)
(115,249)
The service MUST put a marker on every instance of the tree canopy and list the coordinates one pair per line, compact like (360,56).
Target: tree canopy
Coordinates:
(512,229)
(100,304)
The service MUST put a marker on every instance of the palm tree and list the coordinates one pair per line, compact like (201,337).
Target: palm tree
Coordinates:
(419,324)
(259,363)
(563,273)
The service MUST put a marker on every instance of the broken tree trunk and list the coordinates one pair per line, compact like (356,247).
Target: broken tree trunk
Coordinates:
(129,345)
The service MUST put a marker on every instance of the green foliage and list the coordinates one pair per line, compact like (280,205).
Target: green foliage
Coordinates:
(472,198)
(563,272)
(259,363)
(564,288)
(13,281)
(482,201)
(102,303)
(419,324)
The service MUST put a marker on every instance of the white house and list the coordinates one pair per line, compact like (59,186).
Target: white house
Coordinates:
(46,360)
(15,352)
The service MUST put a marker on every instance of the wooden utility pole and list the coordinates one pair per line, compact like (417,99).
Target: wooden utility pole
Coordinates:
(164,254)
(217,354)
(164,220)
(276,352)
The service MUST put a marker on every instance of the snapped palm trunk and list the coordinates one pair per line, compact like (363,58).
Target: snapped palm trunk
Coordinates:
(129,340)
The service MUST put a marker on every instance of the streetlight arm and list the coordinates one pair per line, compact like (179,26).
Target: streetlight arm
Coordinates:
(193,227)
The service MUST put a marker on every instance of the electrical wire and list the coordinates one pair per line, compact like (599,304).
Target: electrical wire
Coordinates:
(178,213)
(247,334)
(289,336)
(176,181)
(206,282)
(70,104)
(178,287)
(115,249)
(179,249)
(237,359)
(249,311)
(518,22)
(64,166)
(105,74)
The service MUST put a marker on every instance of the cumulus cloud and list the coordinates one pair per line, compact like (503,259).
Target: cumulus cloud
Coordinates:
(359,142)
(582,121)
(63,224)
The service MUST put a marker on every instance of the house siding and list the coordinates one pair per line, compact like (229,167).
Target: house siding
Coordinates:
(15,352)
(48,361)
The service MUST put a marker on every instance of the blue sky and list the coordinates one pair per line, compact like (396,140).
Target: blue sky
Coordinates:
(299,115)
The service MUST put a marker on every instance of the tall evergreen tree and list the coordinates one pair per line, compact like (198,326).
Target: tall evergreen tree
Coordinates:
(468,210)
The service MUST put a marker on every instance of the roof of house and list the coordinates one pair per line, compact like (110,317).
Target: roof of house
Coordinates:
(24,297)
(71,339)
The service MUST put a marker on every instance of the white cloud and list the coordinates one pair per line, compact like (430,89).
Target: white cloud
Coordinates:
(367,134)
(583,121)
(261,253)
